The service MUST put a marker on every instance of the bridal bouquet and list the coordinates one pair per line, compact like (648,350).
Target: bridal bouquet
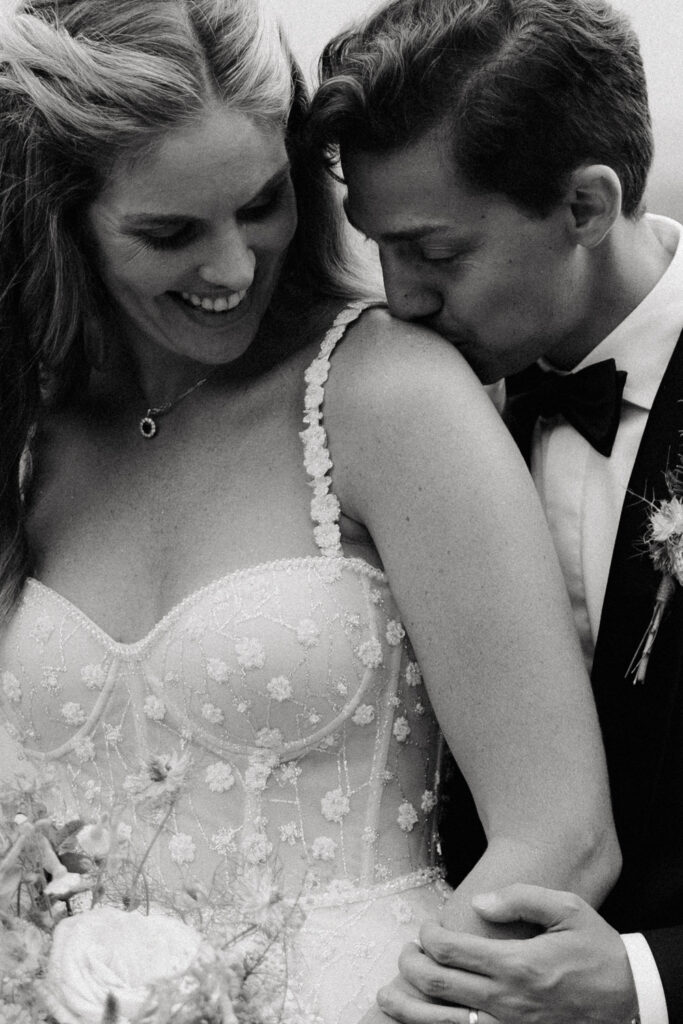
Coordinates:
(81,942)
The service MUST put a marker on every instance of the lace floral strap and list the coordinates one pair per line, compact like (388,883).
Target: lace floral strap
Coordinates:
(325,507)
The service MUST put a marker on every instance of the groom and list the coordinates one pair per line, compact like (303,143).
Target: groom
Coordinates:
(497,152)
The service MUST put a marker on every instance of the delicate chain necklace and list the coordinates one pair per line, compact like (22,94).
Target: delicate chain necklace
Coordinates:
(148,423)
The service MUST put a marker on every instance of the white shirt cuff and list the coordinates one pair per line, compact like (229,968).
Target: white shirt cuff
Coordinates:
(651,999)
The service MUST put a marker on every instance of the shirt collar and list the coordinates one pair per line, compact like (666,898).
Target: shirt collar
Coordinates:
(643,343)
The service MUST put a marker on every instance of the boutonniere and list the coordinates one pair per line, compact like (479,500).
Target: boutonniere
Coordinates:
(663,541)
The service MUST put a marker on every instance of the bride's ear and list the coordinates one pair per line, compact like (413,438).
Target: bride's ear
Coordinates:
(593,200)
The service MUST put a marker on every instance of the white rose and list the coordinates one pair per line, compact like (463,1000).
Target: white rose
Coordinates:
(108,951)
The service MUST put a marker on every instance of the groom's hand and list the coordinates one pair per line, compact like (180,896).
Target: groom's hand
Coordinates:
(575,970)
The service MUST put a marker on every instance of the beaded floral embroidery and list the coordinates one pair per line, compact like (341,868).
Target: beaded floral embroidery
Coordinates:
(292,689)
(325,508)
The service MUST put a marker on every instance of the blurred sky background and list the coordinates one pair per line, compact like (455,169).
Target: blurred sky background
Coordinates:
(659,24)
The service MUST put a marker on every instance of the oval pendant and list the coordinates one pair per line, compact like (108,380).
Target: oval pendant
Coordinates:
(148,427)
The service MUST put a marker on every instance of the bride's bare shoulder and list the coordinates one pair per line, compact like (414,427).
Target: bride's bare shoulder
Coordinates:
(383,360)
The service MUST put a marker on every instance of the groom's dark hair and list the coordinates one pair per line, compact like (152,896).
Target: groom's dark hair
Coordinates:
(528,90)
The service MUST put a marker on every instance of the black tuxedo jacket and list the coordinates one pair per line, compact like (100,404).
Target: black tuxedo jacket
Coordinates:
(642,723)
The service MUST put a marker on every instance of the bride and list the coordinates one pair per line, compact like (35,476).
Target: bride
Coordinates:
(254,531)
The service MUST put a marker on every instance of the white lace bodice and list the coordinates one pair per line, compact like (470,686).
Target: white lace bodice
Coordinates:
(290,692)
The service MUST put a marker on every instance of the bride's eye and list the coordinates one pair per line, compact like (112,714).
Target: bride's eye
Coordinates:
(171,237)
(263,206)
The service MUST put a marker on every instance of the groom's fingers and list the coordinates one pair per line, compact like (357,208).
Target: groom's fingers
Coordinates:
(439,983)
(460,949)
(398,1002)
(531,903)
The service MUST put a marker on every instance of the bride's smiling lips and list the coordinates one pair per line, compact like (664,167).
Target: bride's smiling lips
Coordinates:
(212,310)
(222,303)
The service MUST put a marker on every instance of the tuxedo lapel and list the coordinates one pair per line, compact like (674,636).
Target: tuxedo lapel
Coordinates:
(636,717)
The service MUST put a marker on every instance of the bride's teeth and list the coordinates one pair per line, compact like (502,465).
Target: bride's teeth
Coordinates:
(219,305)
(235,299)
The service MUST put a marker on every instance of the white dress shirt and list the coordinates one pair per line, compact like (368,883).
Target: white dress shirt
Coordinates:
(582,493)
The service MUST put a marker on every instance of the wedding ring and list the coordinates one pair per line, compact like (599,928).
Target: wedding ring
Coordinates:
(473,1017)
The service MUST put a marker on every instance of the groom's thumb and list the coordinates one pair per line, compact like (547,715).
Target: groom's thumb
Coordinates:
(530,903)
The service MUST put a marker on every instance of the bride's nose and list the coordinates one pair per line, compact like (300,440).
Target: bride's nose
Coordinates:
(230,262)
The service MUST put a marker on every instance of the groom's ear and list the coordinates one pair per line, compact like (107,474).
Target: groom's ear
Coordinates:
(593,201)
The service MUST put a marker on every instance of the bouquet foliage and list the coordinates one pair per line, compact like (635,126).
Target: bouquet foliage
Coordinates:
(84,941)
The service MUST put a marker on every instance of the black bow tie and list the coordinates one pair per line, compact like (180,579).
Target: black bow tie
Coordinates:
(590,400)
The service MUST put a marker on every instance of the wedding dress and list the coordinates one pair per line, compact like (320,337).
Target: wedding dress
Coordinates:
(289,692)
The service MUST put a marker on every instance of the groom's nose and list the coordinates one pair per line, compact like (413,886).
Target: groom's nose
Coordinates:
(409,296)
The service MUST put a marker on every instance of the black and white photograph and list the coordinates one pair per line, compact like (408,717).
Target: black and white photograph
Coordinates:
(341,512)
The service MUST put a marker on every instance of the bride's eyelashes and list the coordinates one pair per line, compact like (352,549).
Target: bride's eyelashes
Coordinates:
(174,238)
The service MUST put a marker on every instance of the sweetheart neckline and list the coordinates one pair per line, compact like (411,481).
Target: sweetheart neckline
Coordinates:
(136,646)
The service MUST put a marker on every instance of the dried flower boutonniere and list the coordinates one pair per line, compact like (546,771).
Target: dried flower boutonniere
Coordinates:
(664,544)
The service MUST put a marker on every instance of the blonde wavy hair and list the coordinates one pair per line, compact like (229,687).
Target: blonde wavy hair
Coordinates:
(83,83)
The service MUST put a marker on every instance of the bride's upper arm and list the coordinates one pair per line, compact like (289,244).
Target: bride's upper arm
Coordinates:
(422,459)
